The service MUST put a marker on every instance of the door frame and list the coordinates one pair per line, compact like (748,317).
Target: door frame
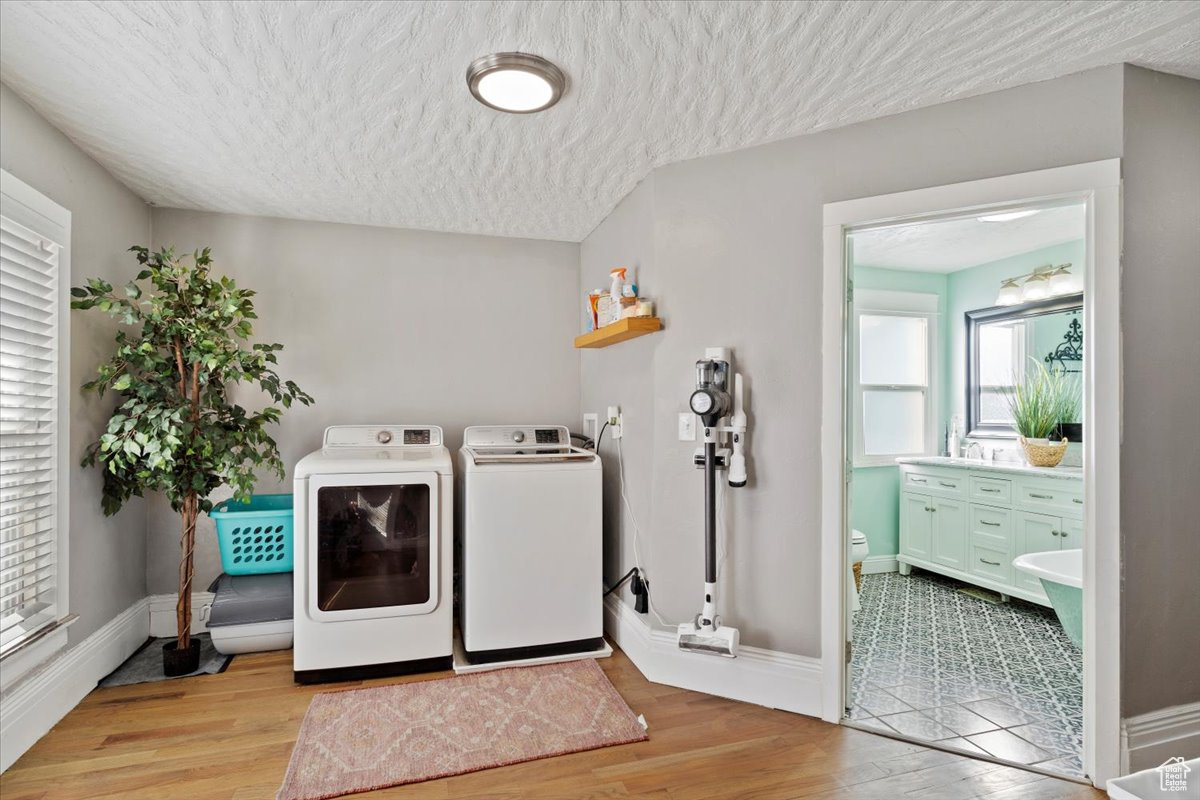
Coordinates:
(1098,185)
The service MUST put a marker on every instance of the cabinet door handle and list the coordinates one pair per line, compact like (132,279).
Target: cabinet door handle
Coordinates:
(948,485)
(918,480)
(992,524)
(989,490)
(1063,534)
(1041,496)
(1077,500)
(990,563)
(1055,533)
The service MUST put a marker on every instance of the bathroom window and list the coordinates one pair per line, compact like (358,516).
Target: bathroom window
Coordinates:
(34,243)
(894,376)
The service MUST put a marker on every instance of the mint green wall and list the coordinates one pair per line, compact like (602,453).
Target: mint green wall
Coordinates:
(977,287)
(875,507)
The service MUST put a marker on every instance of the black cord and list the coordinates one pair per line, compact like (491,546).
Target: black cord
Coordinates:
(600,435)
(617,585)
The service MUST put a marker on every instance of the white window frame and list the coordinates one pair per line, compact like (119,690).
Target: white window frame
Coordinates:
(877,302)
(26,206)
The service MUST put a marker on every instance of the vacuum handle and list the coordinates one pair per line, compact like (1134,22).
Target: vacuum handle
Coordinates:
(710,512)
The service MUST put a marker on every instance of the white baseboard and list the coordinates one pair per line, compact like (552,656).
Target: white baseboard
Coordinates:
(162,613)
(1148,740)
(37,703)
(765,677)
(873,565)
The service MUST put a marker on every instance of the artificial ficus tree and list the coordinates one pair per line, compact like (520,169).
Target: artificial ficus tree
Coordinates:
(176,430)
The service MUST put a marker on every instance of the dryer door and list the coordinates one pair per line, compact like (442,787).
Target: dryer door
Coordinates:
(373,544)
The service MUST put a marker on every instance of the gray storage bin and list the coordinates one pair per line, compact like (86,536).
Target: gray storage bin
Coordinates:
(251,613)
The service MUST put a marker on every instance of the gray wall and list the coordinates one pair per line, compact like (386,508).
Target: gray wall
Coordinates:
(388,325)
(107,554)
(731,244)
(1160,451)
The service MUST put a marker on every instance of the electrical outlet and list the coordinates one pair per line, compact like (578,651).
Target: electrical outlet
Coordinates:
(687,426)
(616,421)
(591,425)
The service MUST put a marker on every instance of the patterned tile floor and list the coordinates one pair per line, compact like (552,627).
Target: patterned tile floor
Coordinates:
(935,664)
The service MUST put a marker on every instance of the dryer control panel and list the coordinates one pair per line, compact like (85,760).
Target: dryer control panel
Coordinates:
(516,436)
(383,436)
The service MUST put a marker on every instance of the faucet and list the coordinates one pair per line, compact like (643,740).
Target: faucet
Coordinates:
(974,450)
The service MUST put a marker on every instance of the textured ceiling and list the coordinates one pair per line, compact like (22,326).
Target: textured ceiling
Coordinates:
(358,111)
(951,245)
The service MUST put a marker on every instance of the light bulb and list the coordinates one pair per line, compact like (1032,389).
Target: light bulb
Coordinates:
(1035,288)
(1061,281)
(1010,293)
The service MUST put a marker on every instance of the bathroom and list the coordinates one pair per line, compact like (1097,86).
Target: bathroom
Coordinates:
(967,558)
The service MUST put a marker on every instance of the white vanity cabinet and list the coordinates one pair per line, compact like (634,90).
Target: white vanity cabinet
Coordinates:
(969,521)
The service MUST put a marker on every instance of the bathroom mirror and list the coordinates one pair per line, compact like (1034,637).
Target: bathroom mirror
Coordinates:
(1001,341)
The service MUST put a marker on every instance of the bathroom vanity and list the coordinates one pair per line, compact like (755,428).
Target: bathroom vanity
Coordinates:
(968,519)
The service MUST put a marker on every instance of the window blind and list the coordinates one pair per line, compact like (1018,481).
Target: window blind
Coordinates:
(29,267)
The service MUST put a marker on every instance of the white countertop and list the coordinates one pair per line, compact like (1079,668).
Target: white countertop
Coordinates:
(1010,467)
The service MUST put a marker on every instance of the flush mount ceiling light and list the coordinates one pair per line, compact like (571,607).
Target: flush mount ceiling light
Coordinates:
(1008,216)
(518,83)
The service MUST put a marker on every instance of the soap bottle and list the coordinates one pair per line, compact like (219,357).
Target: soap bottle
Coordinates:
(954,443)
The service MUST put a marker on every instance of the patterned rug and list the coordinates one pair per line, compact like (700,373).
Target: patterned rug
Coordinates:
(364,739)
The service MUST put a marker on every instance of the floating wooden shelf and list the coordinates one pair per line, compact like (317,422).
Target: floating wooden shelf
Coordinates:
(628,328)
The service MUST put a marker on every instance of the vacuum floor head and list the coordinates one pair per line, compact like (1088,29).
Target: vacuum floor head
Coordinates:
(722,641)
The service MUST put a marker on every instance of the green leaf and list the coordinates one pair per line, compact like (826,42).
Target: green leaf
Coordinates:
(122,383)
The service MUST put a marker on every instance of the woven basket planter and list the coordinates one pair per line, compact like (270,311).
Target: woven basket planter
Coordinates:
(1043,455)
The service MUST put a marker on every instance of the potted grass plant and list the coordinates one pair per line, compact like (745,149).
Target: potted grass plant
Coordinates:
(184,342)
(1039,404)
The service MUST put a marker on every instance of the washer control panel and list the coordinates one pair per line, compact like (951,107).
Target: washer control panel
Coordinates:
(514,435)
(383,436)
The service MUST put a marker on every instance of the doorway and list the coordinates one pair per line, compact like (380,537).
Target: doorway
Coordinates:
(938,625)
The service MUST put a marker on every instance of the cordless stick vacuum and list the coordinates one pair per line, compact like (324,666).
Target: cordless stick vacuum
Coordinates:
(711,402)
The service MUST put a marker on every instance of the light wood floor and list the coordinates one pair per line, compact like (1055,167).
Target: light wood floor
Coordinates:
(230,736)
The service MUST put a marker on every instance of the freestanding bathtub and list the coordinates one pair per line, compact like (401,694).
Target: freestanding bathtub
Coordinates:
(1061,574)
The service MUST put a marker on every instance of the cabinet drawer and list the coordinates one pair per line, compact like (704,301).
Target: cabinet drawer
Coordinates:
(991,527)
(1063,497)
(991,490)
(943,485)
(991,563)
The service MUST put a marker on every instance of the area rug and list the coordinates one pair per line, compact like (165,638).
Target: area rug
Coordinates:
(363,739)
(145,666)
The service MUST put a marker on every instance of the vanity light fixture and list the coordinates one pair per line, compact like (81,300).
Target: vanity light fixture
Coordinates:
(518,83)
(1043,282)
(1008,216)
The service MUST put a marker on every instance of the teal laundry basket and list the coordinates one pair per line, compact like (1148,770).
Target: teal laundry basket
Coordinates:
(256,537)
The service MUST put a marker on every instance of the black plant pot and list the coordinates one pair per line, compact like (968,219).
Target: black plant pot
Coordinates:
(178,662)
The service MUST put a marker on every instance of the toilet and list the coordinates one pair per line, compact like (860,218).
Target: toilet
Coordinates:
(859,550)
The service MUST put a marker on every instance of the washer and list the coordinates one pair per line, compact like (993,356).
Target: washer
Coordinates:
(374,561)
(532,583)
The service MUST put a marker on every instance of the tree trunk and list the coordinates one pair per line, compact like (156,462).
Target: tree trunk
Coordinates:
(187,544)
